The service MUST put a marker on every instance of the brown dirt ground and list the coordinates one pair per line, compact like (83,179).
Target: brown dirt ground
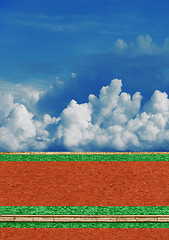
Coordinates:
(84,234)
(84,183)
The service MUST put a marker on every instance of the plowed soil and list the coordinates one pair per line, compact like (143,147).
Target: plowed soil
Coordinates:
(84,184)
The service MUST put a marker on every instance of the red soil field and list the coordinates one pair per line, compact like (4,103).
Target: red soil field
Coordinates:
(84,234)
(84,184)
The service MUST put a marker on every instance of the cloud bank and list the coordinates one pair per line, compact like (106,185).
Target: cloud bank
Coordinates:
(113,121)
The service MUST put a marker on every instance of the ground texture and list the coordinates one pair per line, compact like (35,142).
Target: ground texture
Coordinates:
(84,184)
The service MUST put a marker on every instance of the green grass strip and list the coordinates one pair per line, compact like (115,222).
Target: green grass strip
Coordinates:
(85,210)
(81,225)
(85,158)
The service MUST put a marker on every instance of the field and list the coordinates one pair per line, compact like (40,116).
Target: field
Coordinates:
(103,184)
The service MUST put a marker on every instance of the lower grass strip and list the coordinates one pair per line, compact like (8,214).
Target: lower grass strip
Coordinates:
(86,210)
(81,225)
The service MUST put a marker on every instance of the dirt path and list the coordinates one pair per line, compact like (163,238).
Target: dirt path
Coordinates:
(84,183)
(85,234)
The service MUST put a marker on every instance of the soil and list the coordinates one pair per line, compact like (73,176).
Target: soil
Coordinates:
(84,184)
(85,234)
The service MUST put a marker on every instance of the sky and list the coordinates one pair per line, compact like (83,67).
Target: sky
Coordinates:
(84,75)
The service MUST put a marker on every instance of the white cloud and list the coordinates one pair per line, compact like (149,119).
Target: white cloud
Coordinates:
(144,46)
(20,128)
(115,121)
(159,103)
(6,105)
(120,46)
(75,122)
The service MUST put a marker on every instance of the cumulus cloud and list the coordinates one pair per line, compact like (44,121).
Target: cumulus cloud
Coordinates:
(144,45)
(112,121)
(20,128)
(115,121)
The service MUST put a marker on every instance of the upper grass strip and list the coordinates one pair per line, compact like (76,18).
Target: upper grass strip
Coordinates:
(84,210)
(84,158)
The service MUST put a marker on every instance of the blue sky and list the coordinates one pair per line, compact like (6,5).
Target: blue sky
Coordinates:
(52,32)
(53,52)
